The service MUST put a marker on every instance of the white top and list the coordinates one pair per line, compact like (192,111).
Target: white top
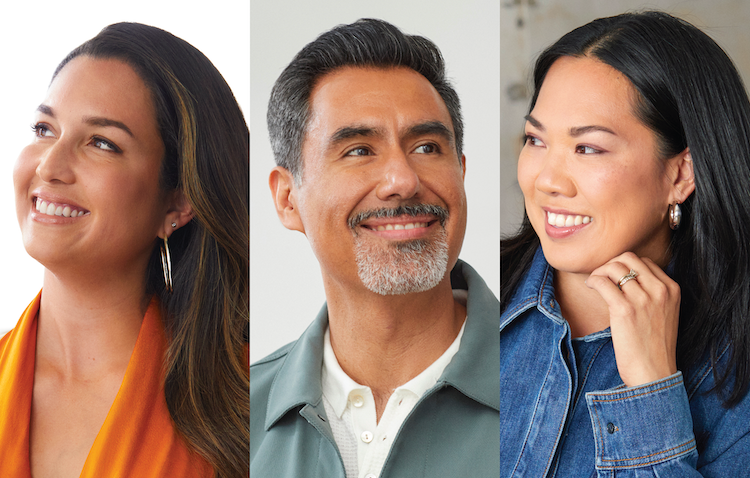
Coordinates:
(364,443)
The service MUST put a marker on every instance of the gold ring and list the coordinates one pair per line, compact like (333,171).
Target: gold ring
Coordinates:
(630,275)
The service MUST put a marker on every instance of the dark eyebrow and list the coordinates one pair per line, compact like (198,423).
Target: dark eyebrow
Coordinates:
(534,122)
(92,120)
(46,110)
(579,130)
(431,128)
(575,131)
(106,122)
(348,132)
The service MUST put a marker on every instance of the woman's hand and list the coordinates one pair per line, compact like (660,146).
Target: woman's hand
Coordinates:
(643,317)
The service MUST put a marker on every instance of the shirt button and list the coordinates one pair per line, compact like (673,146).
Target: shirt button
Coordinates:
(366,437)
(358,401)
(611,428)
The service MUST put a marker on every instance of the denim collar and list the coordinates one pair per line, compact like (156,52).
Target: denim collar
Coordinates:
(473,370)
(536,289)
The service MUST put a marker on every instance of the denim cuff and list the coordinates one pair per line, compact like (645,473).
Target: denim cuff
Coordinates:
(643,425)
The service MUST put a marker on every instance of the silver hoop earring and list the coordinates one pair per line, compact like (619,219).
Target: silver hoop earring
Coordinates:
(166,265)
(675,216)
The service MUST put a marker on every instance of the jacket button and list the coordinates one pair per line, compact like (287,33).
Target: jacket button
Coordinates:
(611,428)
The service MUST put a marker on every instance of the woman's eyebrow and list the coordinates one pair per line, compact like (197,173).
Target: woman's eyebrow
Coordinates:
(92,120)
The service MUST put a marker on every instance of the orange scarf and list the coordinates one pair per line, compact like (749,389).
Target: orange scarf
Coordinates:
(137,437)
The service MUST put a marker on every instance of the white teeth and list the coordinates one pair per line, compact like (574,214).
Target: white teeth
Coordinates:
(399,227)
(52,209)
(561,220)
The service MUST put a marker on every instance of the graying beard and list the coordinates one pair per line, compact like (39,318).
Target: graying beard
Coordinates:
(406,267)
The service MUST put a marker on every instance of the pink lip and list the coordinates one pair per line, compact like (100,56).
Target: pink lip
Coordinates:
(58,200)
(561,232)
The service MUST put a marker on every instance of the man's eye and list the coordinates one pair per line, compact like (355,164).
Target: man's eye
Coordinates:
(358,152)
(427,149)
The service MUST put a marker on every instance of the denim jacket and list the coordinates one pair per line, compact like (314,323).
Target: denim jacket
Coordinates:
(564,411)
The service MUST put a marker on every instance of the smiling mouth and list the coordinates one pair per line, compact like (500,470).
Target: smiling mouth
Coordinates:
(567,220)
(398,227)
(63,210)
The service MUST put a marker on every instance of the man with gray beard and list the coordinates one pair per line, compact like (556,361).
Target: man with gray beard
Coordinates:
(399,374)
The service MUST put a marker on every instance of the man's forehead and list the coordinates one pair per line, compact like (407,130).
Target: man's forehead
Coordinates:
(363,96)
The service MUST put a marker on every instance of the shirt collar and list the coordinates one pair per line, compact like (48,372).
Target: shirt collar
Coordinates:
(337,385)
(474,370)
(536,289)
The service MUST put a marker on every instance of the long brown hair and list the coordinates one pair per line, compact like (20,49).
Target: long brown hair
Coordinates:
(206,157)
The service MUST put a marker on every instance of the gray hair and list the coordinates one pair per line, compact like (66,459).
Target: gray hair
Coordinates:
(364,43)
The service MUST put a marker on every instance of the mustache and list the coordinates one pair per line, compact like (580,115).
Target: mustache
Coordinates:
(404,210)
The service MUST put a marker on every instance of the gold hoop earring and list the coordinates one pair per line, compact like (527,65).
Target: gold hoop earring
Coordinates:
(166,265)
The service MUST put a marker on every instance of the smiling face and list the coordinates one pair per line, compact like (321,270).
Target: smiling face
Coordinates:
(381,199)
(592,182)
(87,187)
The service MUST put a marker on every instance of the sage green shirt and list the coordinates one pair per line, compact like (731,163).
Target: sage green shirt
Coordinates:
(453,430)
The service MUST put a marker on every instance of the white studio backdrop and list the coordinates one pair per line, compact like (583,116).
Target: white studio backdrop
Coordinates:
(286,290)
(36,36)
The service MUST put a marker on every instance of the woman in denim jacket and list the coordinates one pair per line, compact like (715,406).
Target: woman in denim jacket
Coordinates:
(625,333)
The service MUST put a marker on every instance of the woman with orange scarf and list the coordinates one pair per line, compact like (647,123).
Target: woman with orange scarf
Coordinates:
(133,195)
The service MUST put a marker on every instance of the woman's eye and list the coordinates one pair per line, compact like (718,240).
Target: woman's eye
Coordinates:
(358,152)
(533,140)
(583,149)
(41,130)
(428,148)
(104,145)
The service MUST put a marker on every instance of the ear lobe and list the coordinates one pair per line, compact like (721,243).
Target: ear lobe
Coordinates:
(284,193)
(180,212)
(683,183)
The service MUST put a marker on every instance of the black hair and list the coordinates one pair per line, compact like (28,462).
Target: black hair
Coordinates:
(691,96)
(364,43)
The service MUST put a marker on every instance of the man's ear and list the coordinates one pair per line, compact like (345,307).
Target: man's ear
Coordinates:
(682,177)
(284,193)
(180,212)
(463,166)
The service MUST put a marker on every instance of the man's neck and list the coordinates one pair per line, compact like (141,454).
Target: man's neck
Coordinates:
(385,341)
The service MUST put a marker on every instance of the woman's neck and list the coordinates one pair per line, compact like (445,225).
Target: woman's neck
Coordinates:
(583,308)
(86,330)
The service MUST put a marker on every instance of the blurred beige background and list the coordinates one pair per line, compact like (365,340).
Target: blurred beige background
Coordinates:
(529,26)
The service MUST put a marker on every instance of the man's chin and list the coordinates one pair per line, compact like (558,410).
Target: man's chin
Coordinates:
(406,267)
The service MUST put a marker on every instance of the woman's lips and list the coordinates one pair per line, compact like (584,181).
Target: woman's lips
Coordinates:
(50,208)
(562,225)
(567,220)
